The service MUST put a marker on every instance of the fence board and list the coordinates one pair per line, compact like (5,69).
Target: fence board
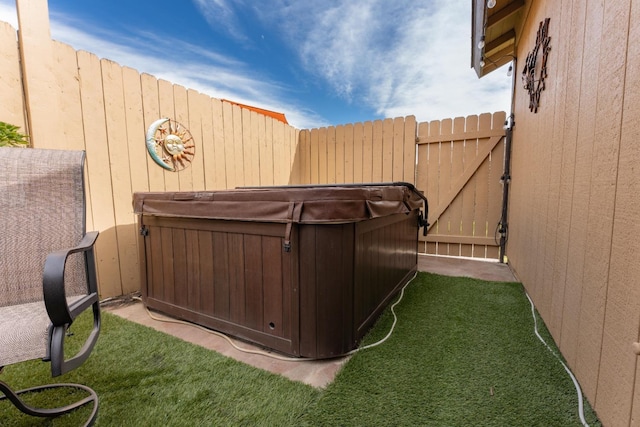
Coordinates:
(349,159)
(115,115)
(250,152)
(482,185)
(469,197)
(70,106)
(280,165)
(409,161)
(167,109)
(367,152)
(322,156)
(200,128)
(12,105)
(151,112)
(219,150)
(314,157)
(228,144)
(388,133)
(331,155)
(99,173)
(358,152)
(181,115)
(377,150)
(236,146)
(265,144)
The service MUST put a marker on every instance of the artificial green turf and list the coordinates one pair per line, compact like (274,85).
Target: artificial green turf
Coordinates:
(463,353)
(147,378)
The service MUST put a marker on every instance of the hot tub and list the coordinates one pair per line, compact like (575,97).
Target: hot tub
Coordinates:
(301,270)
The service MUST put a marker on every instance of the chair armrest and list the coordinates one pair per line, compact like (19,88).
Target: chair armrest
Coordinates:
(53,280)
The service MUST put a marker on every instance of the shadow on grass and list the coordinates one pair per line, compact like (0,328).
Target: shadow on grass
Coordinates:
(463,353)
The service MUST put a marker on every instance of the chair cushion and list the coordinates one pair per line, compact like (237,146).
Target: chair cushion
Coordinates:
(24,332)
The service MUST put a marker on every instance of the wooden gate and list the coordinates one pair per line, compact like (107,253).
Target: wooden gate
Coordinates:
(459,167)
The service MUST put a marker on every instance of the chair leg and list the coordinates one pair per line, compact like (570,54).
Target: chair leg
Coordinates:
(14,397)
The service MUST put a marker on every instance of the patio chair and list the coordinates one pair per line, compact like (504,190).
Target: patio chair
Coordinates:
(47,267)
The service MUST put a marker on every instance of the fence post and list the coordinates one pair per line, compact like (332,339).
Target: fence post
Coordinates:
(37,67)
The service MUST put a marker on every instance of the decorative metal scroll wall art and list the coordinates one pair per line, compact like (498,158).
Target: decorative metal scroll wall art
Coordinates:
(535,71)
(170,144)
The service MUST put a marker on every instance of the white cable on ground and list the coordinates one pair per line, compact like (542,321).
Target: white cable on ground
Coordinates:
(276,356)
(566,368)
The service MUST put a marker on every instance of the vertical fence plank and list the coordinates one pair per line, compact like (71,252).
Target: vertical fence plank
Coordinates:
(331,155)
(315,155)
(236,146)
(12,105)
(457,168)
(341,159)
(167,109)
(135,130)
(358,152)
(70,105)
(422,172)
(250,154)
(349,159)
(367,152)
(227,141)
(434,160)
(388,133)
(38,78)
(265,144)
(99,174)
(377,148)
(305,157)
(200,128)
(323,165)
(181,115)
(280,169)
(482,188)
(469,197)
(120,165)
(397,150)
(151,112)
(410,152)
(219,180)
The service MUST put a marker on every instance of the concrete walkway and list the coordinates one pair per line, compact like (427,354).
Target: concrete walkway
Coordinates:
(315,373)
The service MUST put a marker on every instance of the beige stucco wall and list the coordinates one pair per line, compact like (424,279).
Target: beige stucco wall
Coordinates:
(574,237)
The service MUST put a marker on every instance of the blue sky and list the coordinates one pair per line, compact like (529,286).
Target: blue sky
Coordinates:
(324,62)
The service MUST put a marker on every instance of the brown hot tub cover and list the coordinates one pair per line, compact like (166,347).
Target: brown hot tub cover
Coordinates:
(291,204)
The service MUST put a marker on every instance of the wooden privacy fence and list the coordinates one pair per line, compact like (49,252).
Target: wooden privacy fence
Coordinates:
(460,165)
(457,163)
(68,99)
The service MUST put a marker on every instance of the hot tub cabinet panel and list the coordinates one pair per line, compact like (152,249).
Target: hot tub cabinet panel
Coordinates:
(301,280)
(228,276)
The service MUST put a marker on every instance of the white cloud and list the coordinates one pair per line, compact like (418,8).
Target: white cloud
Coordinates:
(192,66)
(398,57)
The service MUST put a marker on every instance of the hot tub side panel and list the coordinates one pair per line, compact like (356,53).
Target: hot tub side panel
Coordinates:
(230,276)
(386,258)
(326,289)
(348,274)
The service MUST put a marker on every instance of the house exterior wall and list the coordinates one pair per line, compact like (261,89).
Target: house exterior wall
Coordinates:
(575,195)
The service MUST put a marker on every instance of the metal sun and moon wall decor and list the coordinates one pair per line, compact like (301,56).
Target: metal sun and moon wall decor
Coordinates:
(170,144)
(535,71)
